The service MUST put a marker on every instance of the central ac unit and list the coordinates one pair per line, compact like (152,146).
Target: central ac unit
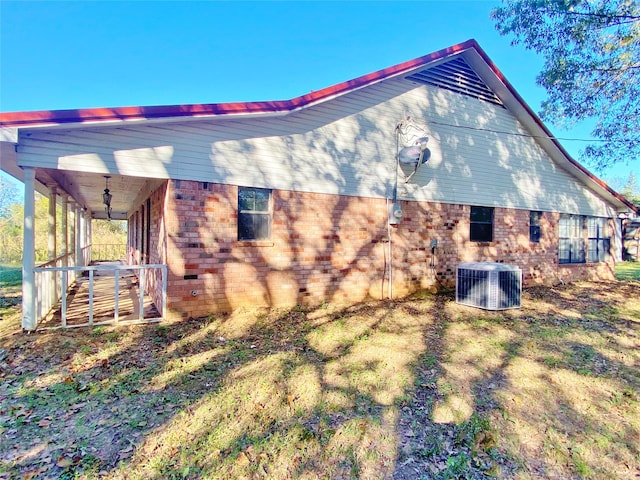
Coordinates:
(492,286)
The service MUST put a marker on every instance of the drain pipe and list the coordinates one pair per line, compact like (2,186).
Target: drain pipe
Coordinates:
(394,200)
(390,257)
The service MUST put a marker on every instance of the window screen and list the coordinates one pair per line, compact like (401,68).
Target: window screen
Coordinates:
(534,226)
(254,213)
(571,244)
(481,224)
(599,242)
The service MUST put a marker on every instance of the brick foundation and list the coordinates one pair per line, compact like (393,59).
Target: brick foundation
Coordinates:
(330,248)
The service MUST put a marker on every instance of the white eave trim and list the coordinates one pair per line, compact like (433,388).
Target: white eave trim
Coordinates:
(9,134)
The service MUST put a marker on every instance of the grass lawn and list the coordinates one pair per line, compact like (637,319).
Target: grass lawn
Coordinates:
(409,389)
(10,295)
(628,271)
(10,276)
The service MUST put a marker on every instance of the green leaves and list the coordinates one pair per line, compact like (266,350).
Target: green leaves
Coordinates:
(592,66)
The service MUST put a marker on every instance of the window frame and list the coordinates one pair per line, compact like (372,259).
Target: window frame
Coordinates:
(598,242)
(571,239)
(535,231)
(478,226)
(248,231)
(583,239)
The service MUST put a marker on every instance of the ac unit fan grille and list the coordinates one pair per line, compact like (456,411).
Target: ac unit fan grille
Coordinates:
(492,286)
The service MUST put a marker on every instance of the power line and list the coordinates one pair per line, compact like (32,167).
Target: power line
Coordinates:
(526,135)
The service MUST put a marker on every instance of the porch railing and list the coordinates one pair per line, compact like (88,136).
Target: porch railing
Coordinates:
(48,283)
(108,252)
(86,255)
(52,280)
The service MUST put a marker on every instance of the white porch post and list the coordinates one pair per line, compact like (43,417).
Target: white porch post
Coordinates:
(85,238)
(71,257)
(89,238)
(51,243)
(29,321)
(83,235)
(78,235)
(65,229)
(52,277)
(72,232)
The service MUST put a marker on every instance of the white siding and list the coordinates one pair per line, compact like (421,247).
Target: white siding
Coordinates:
(480,154)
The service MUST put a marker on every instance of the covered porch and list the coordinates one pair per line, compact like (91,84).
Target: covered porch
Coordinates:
(105,293)
(69,289)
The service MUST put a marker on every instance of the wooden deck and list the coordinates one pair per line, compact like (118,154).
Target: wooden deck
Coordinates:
(104,301)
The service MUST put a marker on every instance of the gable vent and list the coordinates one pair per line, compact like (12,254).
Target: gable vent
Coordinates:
(456,75)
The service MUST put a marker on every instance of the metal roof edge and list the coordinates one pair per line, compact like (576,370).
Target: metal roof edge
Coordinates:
(97,116)
(141,113)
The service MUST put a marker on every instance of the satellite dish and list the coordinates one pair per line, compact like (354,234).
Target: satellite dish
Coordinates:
(412,154)
(412,143)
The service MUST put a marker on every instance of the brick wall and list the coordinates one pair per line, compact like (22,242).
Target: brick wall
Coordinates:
(137,243)
(331,248)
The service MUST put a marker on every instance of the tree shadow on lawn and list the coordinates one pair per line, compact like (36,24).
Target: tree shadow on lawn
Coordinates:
(412,388)
(547,391)
(282,394)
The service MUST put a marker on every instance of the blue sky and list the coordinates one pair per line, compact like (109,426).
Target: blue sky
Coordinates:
(59,55)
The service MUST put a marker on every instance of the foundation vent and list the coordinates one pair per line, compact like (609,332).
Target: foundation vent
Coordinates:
(492,286)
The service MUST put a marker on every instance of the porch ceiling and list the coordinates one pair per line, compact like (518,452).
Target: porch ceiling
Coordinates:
(85,188)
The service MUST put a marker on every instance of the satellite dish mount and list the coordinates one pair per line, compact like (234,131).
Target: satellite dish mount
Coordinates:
(412,149)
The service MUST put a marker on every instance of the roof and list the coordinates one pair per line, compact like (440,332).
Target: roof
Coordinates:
(121,114)
(56,117)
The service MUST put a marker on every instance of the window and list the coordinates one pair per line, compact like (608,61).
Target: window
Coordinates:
(534,226)
(254,213)
(599,242)
(481,224)
(571,239)
(583,239)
